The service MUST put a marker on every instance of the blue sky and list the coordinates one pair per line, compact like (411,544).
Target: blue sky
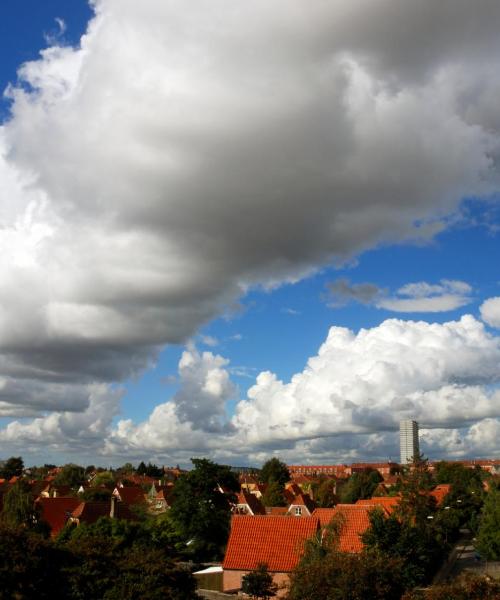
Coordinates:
(192,208)
(281,329)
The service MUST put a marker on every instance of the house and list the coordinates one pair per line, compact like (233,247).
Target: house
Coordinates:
(159,496)
(353,520)
(259,490)
(130,495)
(248,504)
(90,512)
(301,505)
(317,470)
(277,511)
(385,469)
(55,491)
(276,541)
(440,492)
(304,481)
(56,511)
(172,473)
(388,503)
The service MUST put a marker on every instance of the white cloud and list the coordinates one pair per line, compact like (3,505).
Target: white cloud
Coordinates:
(67,431)
(490,311)
(478,440)
(367,382)
(345,404)
(209,340)
(425,297)
(184,153)
(191,420)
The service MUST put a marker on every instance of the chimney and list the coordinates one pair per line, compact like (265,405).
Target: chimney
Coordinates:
(113,512)
(54,494)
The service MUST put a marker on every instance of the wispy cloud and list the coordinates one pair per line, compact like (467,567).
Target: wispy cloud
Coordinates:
(291,311)
(342,291)
(54,37)
(237,337)
(425,297)
(420,296)
(209,340)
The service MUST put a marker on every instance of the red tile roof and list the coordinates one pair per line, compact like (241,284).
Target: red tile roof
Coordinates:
(440,492)
(354,521)
(56,511)
(141,479)
(164,492)
(388,503)
(276,510)
(130,495)
(276,541)
(391,480)
(254,504)
(89,512)
(325,515)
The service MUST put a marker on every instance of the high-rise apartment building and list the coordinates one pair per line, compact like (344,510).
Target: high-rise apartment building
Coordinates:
(408,440)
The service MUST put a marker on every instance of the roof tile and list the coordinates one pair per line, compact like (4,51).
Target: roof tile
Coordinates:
(276,541)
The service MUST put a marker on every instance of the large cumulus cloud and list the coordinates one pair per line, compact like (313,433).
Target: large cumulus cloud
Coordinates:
(345,404)
(187,151)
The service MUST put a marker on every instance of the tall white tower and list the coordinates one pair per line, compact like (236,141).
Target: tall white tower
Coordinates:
(408,440)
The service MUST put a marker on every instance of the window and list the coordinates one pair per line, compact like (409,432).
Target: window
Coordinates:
(298,511)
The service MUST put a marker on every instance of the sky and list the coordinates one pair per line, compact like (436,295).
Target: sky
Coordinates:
(244,230)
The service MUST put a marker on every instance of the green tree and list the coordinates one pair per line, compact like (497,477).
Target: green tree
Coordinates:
(458,475)
(274,495)
(103,478)
(13,467)
(72,475)
(488,536)
(327,574)
(18,506)
(126,468)
(29,566)
(149,573)
(467,587)
(274,470)
(418,549)
(200,511)
(259,583)
(326,496)
(360,486)
(417,504)
(164,533)
(151,470)
(94,494)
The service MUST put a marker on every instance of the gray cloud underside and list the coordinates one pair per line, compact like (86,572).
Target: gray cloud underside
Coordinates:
(184,153)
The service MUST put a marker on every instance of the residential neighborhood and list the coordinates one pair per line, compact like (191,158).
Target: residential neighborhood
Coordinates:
(218,528)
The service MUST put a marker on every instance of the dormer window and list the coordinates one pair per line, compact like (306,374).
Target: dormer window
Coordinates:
(298,511)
